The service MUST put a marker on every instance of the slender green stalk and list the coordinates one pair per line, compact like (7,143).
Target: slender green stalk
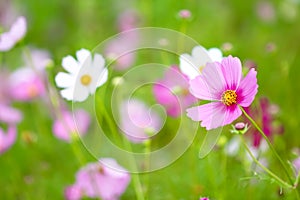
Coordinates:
(279,180)
(135,177)
(147,166)
(269,143)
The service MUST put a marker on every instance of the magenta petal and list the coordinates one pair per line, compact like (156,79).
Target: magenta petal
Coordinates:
(247,89)
(232,71)
(232,113)
(212,114)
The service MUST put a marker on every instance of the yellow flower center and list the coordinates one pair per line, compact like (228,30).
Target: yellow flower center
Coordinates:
(229,97)
(201,68)
(86,79)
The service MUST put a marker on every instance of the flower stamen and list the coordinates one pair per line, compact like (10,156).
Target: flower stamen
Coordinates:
(86,79)
(229,97)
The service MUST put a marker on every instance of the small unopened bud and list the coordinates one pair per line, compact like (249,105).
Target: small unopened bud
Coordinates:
(239,128)
(227,46)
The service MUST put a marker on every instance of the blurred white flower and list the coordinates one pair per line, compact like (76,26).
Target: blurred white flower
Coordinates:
(191,65)
(84,75)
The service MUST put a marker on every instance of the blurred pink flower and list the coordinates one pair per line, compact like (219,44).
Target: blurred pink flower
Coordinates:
(67,126)
(9,114)
(204,198)
(265,11)
(172,92)
(127,20)
(137,121)
(296,164)
(39,59)
(26,84)
(7,139)
(185,14)
(223,84)
(119,49)
(264,114)
(105,179)
(14,35)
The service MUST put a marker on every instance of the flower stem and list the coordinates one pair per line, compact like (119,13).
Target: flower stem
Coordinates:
(279,180)
(136,180)
(269,143)
(135,177)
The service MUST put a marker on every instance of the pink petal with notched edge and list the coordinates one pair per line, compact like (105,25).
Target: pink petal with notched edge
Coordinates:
(212,114)
(247,89)
(232,71)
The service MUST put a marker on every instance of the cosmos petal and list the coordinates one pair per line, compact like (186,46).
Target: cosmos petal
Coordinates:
(64,80)
(212,114)
(232,71)
(200,89)
(70,65)
(247,89)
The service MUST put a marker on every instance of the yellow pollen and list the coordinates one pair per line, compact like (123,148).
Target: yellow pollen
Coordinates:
(86,79)
(201,68)
(229,97)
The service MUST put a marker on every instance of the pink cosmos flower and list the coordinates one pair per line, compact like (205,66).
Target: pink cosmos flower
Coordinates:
(172,92)
(64,127)
(26,84)
(119,51)
(204,198)
(264,114)
(14,35)
(223,84)
(105,179)
(7,139)
(137,121)
(127,20)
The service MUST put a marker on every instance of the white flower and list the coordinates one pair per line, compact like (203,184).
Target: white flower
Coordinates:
(84,75)
(192,65)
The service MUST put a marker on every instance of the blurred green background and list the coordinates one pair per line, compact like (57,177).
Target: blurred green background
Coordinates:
(40,169)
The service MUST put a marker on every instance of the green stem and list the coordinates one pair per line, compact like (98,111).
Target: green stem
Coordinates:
(135,177)
(279,180)
(269,143)
(147,163)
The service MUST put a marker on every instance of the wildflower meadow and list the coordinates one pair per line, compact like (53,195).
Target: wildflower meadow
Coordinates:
(149,100)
